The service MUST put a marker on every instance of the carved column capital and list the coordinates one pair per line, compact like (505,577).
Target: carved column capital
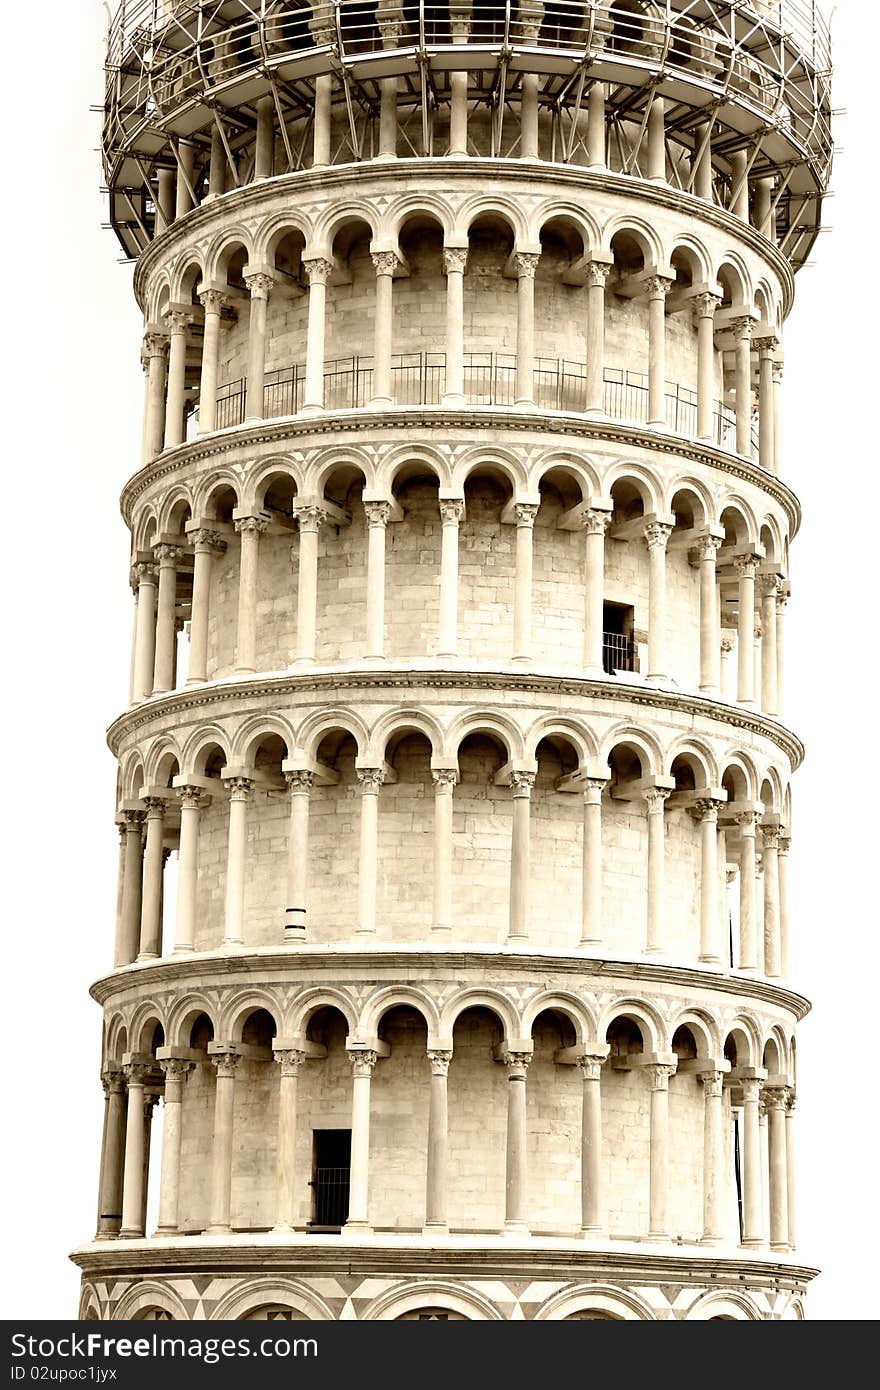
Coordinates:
(239,788)
(454,260)
(310,516)
(258,524)
(590,1068)
(259,284)
(213,301)
(705,305)
(142,573)
(526,263)
(134,819)
(205,540)
(713,1081)
(594,522)
(443,777)
(655,798)
(525,513)
(154,807)
(291,1060)
(175,1068)
(301,780)
(378,513)
(742,328)
(371,779)
(156,344)
(318,271)
(189,796)
(384,262)
(707,547)
(521,783)
(136,1073)
(657,534)
(439,1062)
(746,566)
(362,1063)
(226,1063)
(517,1064)
(451,510)
(706,809)
(657,286)
(775,1097)
(659,1074)
(597,274)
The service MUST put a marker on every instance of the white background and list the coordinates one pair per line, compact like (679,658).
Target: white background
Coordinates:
(71,424)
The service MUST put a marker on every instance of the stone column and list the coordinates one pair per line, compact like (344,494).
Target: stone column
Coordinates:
(156,348)
(153,865)
(179,320)
(259,285)
(710,676)
(318,272)
(521,784)
(454,265)
(163,663)
(704,312)
(656,537)
(790,1101)
(166,192)
(742,332)
(460,28)
(187,868)
(783,847)
(220,1221)
(133,1173)
(130,925)
(739,164)
(371,779)
(144,575)
(713,1157)
(526,264)
(658,1222)
(249,528)
(597,276)
(525,513)
(726,649)
(767,347)
(175,1070)
(517,1144)
(216,166)
(748,951)
(264,154)
(391,29)
(362,1064)
(451,513)
(378,514)
(595,524)
(703,162)
(777,417)
(300,785)
(656,799)
(657,140)
(113,1156)
(772,953)
(591,894)
(241,790)
(206,544)
(213,302)
(591,1146)
(132,663)
(752,1201)
(384,264)
(776,1097)
(310,519)
(444,780)
(707,811)
(185,161)
(746,567)
(438,1144)
(120,887)
(759,912)
(770,589)
(781,601)
(596,126)
(291,1065)
(322,112)
(657,288)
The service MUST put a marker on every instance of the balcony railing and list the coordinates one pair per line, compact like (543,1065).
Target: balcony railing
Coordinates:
(618,652)
(419,378)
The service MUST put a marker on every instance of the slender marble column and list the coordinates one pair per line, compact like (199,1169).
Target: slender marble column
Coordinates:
(371,779)
(656,537)
(362,1064)
(249,528)
(154,864)
(526,264)
(384,264)
(776,1106)
(179,320)
(187,868)
(241,791)
(216,166)
(781,601)
(300,784)
(520,861)
(707,811)
(746,567)
(658,1223)
(213,302)
(702,162)
(264,153)
(784,845)
(110,1203)
(777,417)
(454,266)
(657,288)
(378,515)
(704,311)
(597,276)
(595,524)
(767,347)
(318,272)
(144,575)
(710,675)
(127,945)
(591,1146)
(525,512)
(772,953)
(790,1101)
(206,544)
(185,163)
(752,1202)
(460,28)
(322,113)
(175,1070)
(438,1144)
(259,285)
(291,1061)
(226,1064)
(444,779)
(713,1157)
(451,513)
(657,141)
(748,950)
(596,126)
(517,1144)
(310,519)
(166,638)
(656,936)
(133,1174)
(591,896)
(742,332)
(770,589)
(156,347)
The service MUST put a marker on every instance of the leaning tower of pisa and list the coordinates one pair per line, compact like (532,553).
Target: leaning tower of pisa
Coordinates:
(451,955)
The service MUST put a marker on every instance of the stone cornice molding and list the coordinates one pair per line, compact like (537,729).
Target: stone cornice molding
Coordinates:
(376,962)
(406,678)
(300,432)
(201,222)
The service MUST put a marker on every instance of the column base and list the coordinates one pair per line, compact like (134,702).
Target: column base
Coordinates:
(515,1229)
(381,403)
(710,960)
(751,1243)
(584,944)
(711,1240)
(523,403)
(195,680)
(218,1230)
(166,1231)
(294,935)
(365,931)
(441,928)
(311,407)
(129,1234)
(781,1247)
(593,1232)
(514,937)
(453,398)
(595,673)
(363,1226)
(245,671)
(657,1236)
(186,950)
(435,1228)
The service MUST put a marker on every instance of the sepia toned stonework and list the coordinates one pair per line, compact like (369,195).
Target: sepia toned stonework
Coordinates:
(451,960)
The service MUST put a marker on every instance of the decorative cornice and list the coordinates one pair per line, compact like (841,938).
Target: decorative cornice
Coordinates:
(299,431)
(376,962)
(293,684)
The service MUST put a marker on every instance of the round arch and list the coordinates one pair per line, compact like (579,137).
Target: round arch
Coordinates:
(456,1298)
(641,1013)
(146,1297)
(378,1005)
(570,1006)
(723,1303)
(601,1298)
(267,1289)
(491,999)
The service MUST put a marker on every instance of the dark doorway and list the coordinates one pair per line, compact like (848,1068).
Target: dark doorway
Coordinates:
(331,1171)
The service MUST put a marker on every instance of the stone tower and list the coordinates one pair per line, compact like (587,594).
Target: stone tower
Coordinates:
(453,799)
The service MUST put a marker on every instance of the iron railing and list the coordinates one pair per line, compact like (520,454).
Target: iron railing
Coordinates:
(419,378)
(330,1187)
(618,652)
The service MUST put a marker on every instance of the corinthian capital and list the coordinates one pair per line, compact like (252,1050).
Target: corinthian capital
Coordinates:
(384,262)
(318,270)
(657,534)
(454,260)
(362,1063)
(526,263)
(259,284)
